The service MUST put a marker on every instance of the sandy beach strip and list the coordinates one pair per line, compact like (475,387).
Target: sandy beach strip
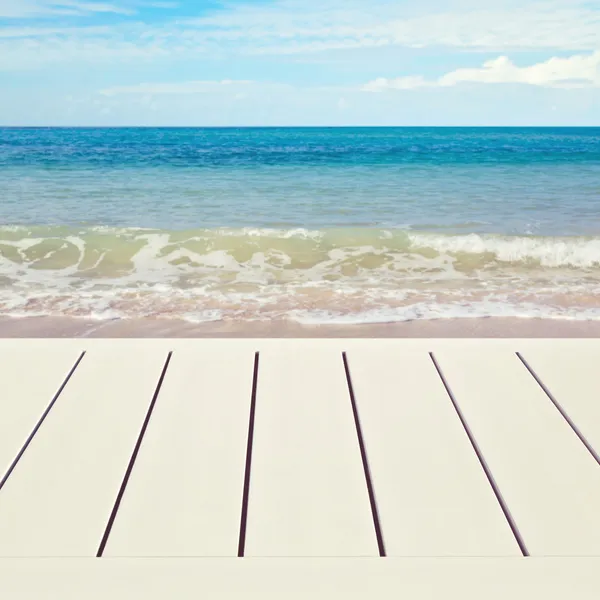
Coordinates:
(492,327)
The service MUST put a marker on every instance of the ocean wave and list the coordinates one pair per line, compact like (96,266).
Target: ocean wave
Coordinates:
(106,250)
(544,251)
(253,273)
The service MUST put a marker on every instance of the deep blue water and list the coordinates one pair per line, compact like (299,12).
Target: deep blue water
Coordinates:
(543,181)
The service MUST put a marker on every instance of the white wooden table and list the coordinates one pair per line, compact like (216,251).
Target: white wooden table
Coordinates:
(299,469)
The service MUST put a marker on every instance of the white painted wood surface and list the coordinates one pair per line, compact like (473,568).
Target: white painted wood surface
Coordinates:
(432,493)
(184,496)
(58,499)
(549,480)
(299,579)
(308,495)
(573,379)
(30,377)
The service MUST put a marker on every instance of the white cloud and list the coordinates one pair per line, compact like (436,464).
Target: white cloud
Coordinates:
(46,32)
(93,7)
(567,73)
(19,55)
(286,27)
(289,26)
(575,71)
(409,82)
(39,8)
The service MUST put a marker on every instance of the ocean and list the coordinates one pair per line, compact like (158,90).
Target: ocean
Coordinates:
(313,225)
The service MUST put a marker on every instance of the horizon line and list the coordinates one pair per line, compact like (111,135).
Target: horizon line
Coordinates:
(300,126)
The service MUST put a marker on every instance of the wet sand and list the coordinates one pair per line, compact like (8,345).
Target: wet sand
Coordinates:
(493,327)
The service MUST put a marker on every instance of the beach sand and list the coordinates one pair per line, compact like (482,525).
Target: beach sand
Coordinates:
(492,327)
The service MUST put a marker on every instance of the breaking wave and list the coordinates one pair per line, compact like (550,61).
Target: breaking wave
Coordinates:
(342,275)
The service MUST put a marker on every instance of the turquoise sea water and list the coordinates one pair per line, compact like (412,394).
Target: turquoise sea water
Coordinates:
(314,224)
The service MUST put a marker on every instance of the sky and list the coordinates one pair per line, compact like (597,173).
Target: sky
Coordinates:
(299,62)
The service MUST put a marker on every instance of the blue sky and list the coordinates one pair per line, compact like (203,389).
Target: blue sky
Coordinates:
(299,62)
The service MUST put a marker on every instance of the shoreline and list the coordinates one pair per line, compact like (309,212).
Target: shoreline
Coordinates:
(486,327)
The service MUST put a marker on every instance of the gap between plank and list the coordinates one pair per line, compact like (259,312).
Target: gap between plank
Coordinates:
(365,461)
(511,522)
(560,409)
(129,470)
(248,468)
(41,420)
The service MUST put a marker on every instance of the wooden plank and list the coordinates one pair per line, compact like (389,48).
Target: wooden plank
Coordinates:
(572,377)
(550,482)
(30,376)
(184,497)
(308,494)
(299,579)
(59,498)
(432,493)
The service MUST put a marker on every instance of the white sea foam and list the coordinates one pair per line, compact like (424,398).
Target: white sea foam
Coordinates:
(424,311)
(548,252)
